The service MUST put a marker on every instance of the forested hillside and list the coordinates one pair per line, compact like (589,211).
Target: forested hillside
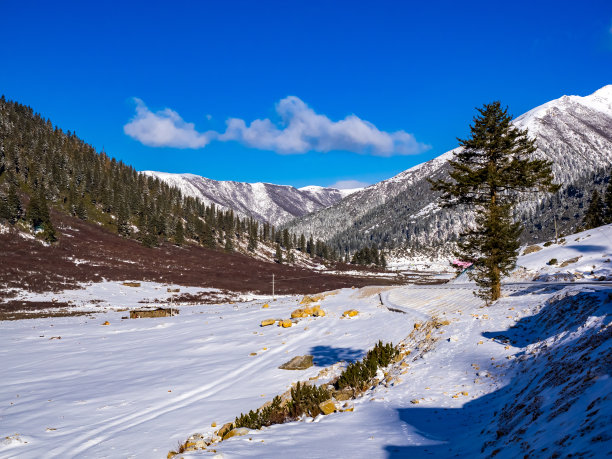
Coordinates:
(42,166)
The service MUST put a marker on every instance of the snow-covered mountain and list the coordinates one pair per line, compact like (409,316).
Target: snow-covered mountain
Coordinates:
(574,132)
(266,202)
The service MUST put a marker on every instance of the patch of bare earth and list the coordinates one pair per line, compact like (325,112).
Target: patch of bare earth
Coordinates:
(87,252)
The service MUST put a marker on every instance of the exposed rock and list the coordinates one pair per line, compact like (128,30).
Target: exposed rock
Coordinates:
(267,322)
(300,362)
(239,432)
(265,306)
(159,312)
(106,323)
(301,312)
(225,428)
(285,323)
(327,407)
(350,313)
(131,284)
(310,299)
(314,311)
(532,249)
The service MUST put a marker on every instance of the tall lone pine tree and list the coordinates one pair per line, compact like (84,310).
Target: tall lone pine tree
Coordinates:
(488,174)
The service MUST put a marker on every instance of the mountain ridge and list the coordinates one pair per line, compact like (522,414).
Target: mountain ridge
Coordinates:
(266,202)
(575,132)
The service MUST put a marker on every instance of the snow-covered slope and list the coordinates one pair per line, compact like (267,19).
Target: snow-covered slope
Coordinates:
(527,376)
(266,202)
(574,132)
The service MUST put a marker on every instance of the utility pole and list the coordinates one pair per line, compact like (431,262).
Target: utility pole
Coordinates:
(273,299)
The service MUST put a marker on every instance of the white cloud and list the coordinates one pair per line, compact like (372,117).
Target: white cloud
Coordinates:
(300,130)
(164,128)
(349,184)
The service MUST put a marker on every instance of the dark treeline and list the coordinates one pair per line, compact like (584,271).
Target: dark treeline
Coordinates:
(369,256)
(41,166)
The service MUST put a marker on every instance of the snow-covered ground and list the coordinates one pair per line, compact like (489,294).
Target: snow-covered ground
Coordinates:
(528,375)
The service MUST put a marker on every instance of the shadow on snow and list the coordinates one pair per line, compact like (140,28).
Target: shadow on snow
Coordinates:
(499,423)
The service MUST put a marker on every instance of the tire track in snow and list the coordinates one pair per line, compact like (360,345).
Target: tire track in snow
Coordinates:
(90,439)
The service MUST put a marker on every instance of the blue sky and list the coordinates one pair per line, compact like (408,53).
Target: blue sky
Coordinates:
(317,92)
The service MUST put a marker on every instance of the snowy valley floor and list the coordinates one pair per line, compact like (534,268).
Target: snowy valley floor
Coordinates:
(529,375)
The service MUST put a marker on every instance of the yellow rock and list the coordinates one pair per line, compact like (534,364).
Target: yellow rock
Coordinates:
(417,325)
(285,323)
(415,401)
(310,299)
(327,407)
(265,323)
(106,323)
(265,306)
(350,313)
(224,429)
(464,393)
(352,408)
(253,353)
(239,432)
(214,424)
(301,312)
(480,342)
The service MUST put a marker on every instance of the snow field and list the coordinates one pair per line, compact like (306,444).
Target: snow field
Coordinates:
(528,375)
(135,388)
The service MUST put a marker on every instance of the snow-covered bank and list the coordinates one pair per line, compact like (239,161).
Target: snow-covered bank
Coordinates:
(586,255)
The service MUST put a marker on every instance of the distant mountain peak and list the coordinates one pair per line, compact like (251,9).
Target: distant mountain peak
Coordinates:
(266,202)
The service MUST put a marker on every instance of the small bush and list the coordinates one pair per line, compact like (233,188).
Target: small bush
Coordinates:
(552,261)
(548,243)
(357,375)
(305,399)
(263,417)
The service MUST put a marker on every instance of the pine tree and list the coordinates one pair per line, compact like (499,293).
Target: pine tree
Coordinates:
(10,205)
(123,224)
(608,201)
(594,216)
(37,214)
(488,174)
(279,254)
(208,238)
(229,245)
(179,236)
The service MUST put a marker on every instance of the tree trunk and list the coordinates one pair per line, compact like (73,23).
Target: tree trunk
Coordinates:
(495,285)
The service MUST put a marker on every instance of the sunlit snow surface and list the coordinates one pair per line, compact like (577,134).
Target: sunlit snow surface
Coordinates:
(135,388)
